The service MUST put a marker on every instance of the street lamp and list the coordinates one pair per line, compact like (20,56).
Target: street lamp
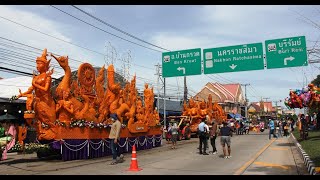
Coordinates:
(19,111)
(5,110)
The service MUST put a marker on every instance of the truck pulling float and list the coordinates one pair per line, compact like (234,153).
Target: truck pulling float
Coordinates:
(193,113)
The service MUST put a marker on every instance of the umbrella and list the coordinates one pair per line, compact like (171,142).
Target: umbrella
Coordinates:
(7,117)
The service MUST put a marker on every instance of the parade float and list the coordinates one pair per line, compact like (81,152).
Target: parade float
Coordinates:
(195,111)
(308,96)
(74,119)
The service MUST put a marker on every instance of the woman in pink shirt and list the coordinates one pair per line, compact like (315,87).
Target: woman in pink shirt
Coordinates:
(9,140)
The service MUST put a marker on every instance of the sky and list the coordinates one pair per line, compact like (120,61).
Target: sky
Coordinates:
(170,27)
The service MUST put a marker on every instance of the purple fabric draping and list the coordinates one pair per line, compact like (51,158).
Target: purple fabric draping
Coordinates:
(55,145)
(73,149)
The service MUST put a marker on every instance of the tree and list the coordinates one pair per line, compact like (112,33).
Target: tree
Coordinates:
(316,81)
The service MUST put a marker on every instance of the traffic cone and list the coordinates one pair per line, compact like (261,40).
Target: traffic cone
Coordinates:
(134,162)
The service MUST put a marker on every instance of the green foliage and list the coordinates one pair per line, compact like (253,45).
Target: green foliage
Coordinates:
(316,81)
(311,145)
(16,148)
(34,147)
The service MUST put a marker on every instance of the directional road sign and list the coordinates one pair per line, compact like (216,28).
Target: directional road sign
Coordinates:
(233,58)
(181,63)
(286,52)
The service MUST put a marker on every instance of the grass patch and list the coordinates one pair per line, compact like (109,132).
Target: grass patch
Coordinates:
(311,145)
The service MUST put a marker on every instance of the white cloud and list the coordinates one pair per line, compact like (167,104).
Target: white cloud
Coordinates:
(217,26)
(234,25)
(176,42)
(20,34)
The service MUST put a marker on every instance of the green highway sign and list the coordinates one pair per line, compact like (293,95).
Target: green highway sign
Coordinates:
(286,52)
(245,57)
(181,63)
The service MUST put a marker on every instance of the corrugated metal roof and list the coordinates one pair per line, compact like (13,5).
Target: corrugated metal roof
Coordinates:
(10,87)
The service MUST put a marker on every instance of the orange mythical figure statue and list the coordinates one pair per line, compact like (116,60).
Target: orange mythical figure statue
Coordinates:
(22,134)
(156,116)
(29,104)
(85,112)
(218,113)
(148,104)
(202,112)
(185,111)
(110,95)
(66,83)
(133,92)
(115,96)
(140,111)
(210,106)
(44,105)
(75,88)
(193,108)
(64,108)
(30,96)
(99,86)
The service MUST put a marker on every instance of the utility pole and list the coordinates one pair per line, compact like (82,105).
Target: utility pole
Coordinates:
(185,92)
(164,103)
(159,74)
(276,107)
(246,100)
(266,101)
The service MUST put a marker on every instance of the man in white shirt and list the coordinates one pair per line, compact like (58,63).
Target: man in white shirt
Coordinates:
(203,130)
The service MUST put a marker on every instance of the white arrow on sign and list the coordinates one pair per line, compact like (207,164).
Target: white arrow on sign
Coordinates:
(233,66)
(287,59)
(183,69)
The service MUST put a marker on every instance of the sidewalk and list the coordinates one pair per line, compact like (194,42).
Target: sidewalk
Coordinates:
(312,169)
(29,164)
(279,156)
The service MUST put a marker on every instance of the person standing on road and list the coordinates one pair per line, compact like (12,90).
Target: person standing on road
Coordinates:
(304,127)
(271,129)
(203,130)
(279,128)
(174,135)
(225,132)
(292,123)
(318,120)
(114,137)
(213,136)
(8,141)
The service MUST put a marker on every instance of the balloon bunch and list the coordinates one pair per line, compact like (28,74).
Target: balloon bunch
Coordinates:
(308,96)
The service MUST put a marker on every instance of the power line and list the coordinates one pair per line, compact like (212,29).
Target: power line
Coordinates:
(20,72)
(100,53)
(76,44)
(14,54)
(51,35)
(104,30)
(113,27)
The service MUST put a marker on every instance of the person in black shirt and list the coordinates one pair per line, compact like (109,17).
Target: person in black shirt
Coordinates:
(318,120)
(304,127)
(225,132)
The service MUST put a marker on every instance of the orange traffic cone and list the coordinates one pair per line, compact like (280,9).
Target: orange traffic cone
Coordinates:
(134,162)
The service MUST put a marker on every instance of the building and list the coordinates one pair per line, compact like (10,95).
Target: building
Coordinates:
(264,109)
(229,96)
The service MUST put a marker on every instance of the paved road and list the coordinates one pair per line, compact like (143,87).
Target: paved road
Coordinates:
(251,154)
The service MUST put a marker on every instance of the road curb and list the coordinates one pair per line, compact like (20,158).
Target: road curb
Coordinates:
(306,158)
